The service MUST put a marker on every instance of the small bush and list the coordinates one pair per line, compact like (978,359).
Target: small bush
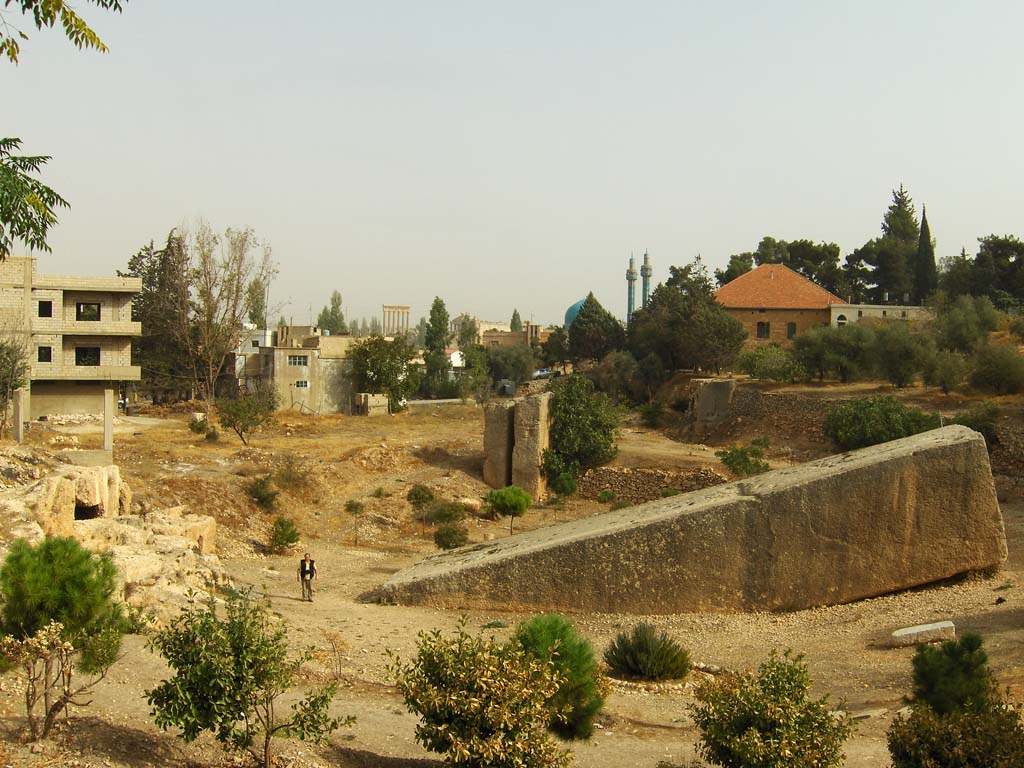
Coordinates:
(606,496)
(768,721)
(771,363)
(982,418)
(947,371)
(199,426)
(283,535)
(451,535)
(419,496)
(647,654)
(445,512)
(355,508)
(380,493)
(565,484)
(553,638)
(1016,328)
(954,676)
(512,502)
(744,460)
(291,474)
(868,421)
(263,492)
(991,737)
(998,369)
(651,413)
(212,435)
(620,504)
(482,704)
(667,492)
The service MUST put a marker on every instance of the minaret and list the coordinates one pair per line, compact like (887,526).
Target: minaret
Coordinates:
(631,288)
(645,273)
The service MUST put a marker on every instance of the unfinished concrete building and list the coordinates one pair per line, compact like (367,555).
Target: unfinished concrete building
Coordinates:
(77,333)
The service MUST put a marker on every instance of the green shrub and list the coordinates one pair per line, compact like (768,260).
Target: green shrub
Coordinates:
(947,371)
(620,504)
(771,363)
(263,492)
(991,737)
(212,435)
(606,496)
(998,369)
(283,535)
(983,418)
(868,421)
(511,501)
(229,673)
(450,535)
(583,424)
(58,603)
(445,512)
(768,720)
(482,704)
(565,484)
(744,460)
(651,413)
(1016,327)
(355,508)
(647,654)
(898,353)
(953,677)
(249,411)
(667,492)
(419,496)
(380,493)
(553,638)
(199,426)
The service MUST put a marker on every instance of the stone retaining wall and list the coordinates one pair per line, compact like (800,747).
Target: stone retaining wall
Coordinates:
(639,485)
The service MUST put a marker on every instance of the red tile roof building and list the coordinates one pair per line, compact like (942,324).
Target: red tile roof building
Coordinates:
(774,303)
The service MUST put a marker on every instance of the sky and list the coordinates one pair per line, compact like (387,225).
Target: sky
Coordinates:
(513,155)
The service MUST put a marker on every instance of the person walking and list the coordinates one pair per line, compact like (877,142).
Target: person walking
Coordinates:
(306,574)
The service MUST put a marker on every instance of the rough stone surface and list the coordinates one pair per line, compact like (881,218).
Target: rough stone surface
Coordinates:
(99,487)
(924,633)
(498,426)
(637,485)
(532,436)
(710,402)
(850,526)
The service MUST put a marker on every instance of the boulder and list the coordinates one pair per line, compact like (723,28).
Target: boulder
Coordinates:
(850,526)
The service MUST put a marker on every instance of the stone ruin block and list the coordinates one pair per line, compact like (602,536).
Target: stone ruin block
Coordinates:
(855,525)
(498,435)
(532,437)
(710,402)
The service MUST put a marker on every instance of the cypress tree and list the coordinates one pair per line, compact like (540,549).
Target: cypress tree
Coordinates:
(516,325)
(595,332)
(926,276)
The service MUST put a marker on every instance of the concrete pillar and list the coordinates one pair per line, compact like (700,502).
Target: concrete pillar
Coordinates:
(20,414)
(108,419)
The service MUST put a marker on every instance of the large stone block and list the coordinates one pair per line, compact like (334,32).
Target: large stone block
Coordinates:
(498,426)
(850,526)
(532,438)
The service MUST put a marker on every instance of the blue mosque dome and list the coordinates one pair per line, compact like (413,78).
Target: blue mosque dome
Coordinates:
(571,312)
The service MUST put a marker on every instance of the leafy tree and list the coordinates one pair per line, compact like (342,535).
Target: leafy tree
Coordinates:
(868,421)
(511,502)
(162,307)
(331,318)
(228,676)
(516,324)
(469,333)
(684,325)
(553,638)
(14,370)
(482,704)
(555,349)
(355,508)
(770,362)
(583,424)
(898,353)
(963,323)
(384,367)
(998,270)
(999,369)
(739,264)
(58,599)
(436,340)
(475,378)
(926,279)
(955,274)
(947,371)
(768,720)
(26,204)
(46,13)
(258,302)
(615,375)
(595,332)
(248,411)
(514,362)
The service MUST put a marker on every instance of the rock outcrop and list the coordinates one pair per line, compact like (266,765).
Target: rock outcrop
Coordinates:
(850,526)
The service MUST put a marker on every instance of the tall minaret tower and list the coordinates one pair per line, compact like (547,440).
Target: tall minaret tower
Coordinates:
(645,273)
(631,288)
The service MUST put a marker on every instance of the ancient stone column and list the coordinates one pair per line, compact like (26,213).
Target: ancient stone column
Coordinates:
(532,437)
(498,425)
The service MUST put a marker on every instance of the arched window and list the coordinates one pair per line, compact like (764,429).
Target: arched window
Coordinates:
(841,320)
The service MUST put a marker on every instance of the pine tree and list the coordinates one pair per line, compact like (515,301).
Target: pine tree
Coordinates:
(595,332)
(516,325)
(331,318)
(437,337)
(926,277)
(897,252)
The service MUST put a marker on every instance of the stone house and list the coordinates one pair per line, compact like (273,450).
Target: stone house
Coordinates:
(77,332)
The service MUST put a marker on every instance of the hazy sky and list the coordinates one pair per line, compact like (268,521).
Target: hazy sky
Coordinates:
(503,155)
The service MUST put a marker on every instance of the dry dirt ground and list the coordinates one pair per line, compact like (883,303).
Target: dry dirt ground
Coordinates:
(376,460)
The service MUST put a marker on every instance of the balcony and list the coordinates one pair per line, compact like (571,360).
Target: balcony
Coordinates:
(97,328)
(86,373)
(104,284)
